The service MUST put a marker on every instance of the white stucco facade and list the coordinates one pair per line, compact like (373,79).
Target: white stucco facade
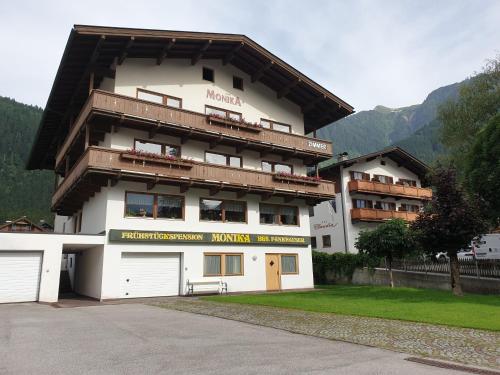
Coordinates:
(99,260)
(334,220)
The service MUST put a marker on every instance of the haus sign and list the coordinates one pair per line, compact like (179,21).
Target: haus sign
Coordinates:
(117,235)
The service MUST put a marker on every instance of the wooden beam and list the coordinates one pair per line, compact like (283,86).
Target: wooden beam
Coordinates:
(186,137)
(313,103)
(266,196)
(240,148)
(215,142)
(265,152)
(91,82)
(164,51)
(286,89)
(125,50)
(200,53)
(289,156)
(288,198)
(151,184)
(230,56)
(103,72)
(214,190)
(260,72)
(87,136)
(116,179)
(154,130)
(185,187)
(242,193)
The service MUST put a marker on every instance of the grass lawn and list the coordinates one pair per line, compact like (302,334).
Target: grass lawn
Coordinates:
(419,305)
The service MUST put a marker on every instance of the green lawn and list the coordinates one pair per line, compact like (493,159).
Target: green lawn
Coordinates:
(419,305)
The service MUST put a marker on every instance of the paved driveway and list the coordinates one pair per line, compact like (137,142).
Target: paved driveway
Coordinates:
(135,338)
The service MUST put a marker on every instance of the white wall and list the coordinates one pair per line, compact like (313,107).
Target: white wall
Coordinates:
(88,272)
(254,277)
(328,221)
(51,245)
(177,77)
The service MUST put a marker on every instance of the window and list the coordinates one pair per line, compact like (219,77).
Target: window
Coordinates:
(409,207)
(382,178)
(268,124)
(386,206)
(223,264)
(407,182)
(223,210)
(208,74)
(313,242)
(155,206)
(157,148)
(361,203)
(156,97)
(327,241)
(289,264)
(311,211)
(276,167)
(238,83)
(359,175)
(223,159)
(277,214)
(235,116)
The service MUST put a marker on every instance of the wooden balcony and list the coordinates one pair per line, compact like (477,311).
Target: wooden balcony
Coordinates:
(104,111)
(390,190)
(372,214)
(99,166)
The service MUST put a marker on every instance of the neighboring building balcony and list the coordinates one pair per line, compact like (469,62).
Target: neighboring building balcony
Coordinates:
(105,111)
(372,214)
(99,166)
(392,190)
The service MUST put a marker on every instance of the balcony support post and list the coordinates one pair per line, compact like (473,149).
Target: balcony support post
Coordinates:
(87,136)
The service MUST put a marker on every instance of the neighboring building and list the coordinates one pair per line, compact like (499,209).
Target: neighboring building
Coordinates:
(23,224)
(181,160)
(369,190)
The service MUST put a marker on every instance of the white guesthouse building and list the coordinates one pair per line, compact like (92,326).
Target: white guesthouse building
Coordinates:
(369,190)
(180,162)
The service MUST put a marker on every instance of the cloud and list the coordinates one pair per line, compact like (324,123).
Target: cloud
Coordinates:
(367,52)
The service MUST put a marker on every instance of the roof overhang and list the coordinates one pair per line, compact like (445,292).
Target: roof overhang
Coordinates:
(95,50)
(397,154)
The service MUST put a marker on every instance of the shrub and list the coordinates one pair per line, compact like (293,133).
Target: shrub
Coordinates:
(341,265)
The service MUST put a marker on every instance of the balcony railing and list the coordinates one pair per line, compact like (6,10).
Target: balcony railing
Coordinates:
(107,164)
(151,116)
(372,214)
(379,188)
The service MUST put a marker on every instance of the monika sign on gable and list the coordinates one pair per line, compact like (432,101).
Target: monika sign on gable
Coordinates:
(223,98)
(117,235)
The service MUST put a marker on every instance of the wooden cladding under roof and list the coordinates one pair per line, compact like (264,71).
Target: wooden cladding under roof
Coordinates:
(93,51)
(392,190)
(103,109)
(98,165)
(372,214)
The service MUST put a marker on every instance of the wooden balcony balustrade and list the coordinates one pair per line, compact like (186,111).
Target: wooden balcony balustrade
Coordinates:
(99,165)
(392,190)
(103,110)
(372,214)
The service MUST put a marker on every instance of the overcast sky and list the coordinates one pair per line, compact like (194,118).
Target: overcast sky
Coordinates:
(389,52)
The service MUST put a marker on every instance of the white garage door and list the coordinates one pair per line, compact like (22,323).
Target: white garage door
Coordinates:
(149,274)
(19,276)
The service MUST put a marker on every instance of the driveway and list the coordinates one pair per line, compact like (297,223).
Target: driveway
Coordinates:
(136,338)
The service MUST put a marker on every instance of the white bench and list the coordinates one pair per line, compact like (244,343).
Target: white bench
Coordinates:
(218,286)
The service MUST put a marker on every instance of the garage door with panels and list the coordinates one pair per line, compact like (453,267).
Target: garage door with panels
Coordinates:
(20,276)
(149,274)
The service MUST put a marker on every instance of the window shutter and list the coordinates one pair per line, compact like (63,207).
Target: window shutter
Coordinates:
(351,173)
(366,176)
(369,204)
(390,180)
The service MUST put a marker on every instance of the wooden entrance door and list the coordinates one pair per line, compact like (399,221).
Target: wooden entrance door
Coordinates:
(273,272)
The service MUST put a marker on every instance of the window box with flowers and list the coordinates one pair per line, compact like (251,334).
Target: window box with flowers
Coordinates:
(137,156)
(241,124)
(294,178)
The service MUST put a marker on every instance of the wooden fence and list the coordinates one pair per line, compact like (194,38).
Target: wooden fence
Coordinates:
(468,267)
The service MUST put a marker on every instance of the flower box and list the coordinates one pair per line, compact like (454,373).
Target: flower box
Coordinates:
(237,124)
(160,159)
(296,179)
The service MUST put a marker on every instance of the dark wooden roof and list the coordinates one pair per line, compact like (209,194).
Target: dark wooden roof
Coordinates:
(23,220)
(397,154)
(95,49)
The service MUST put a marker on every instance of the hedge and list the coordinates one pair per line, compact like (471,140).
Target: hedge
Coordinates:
(339,264)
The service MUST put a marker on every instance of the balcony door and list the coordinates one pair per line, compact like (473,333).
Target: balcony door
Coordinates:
(273,277)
